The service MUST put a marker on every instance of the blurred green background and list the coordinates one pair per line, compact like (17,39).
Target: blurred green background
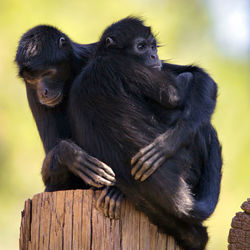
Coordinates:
(213,34)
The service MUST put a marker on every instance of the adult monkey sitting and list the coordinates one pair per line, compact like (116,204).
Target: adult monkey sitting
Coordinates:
(118,106)
(183,124)
(48,62)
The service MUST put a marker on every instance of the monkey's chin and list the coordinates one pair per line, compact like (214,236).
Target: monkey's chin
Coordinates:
(52,102)
(157,67)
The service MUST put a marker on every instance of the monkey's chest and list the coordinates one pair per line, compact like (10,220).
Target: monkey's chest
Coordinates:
(115,129)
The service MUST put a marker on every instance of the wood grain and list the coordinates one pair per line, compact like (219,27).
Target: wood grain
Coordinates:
(68,220)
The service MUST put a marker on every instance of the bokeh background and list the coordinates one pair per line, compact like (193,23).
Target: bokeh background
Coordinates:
(213,34)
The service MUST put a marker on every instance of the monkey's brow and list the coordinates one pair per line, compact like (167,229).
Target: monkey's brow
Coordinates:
(151,37)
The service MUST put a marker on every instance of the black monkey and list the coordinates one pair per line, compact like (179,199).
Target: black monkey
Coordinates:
(199,99)
(120,103)
(48,62)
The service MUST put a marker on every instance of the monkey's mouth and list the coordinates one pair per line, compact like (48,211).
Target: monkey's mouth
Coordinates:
(53,101)
(156,66)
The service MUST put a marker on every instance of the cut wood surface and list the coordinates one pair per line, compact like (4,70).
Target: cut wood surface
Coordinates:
(67,220)
(239,234)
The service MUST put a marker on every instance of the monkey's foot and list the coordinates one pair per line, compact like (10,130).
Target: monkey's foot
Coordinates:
(239,235)
(109,202)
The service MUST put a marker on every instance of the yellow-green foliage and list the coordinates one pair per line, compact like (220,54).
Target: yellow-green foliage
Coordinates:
(183,28)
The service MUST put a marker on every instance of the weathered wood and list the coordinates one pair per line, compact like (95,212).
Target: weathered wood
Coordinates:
(69,220)
(239,234)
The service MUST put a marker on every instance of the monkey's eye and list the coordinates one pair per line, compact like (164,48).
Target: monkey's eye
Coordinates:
(141,46)
(153,46)
(48,73)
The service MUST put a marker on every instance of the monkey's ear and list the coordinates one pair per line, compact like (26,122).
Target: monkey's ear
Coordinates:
(110,42)
(62,42)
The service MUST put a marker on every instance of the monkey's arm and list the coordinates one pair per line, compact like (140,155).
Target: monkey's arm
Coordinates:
(165,88)
(64,159)
(198,106)
(67,158)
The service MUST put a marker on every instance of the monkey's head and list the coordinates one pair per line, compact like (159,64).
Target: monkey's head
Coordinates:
(131,37)
(44,59)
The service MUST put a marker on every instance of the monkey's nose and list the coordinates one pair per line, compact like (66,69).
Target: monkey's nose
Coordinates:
(45,92)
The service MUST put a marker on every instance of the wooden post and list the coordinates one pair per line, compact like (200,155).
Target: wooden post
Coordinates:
(239,234)
(67,220)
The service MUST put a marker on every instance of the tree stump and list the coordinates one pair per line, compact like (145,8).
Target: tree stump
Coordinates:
(239,234)
(69,220)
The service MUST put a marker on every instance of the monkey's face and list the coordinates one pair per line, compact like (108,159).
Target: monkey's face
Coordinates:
(49,83)
(44,60)
(146,50)
(143,49)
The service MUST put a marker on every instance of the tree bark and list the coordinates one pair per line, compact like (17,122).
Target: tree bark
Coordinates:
(67,220)
(239,234)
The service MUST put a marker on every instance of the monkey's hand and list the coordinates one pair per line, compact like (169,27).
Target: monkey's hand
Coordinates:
(109,202)
(150,158)
(88,168)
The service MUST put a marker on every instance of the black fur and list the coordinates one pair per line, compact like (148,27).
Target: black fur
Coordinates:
(199,105)
(192,118)
(114,115)
(39,48)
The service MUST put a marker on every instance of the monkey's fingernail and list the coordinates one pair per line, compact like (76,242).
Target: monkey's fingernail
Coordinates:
(112,173)
(132,172)
(136,177)
(133,160)
(143,178)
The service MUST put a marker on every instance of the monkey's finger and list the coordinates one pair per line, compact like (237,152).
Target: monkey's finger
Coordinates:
(112,204)
(118,206)
(147,165)
(114,207)
(106,206)
(96,170)
(96,178)
(87,180)
(93,173)
(107,201)
(140,153)
(100,200)
(151,170)
(141,161)
(101,164)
